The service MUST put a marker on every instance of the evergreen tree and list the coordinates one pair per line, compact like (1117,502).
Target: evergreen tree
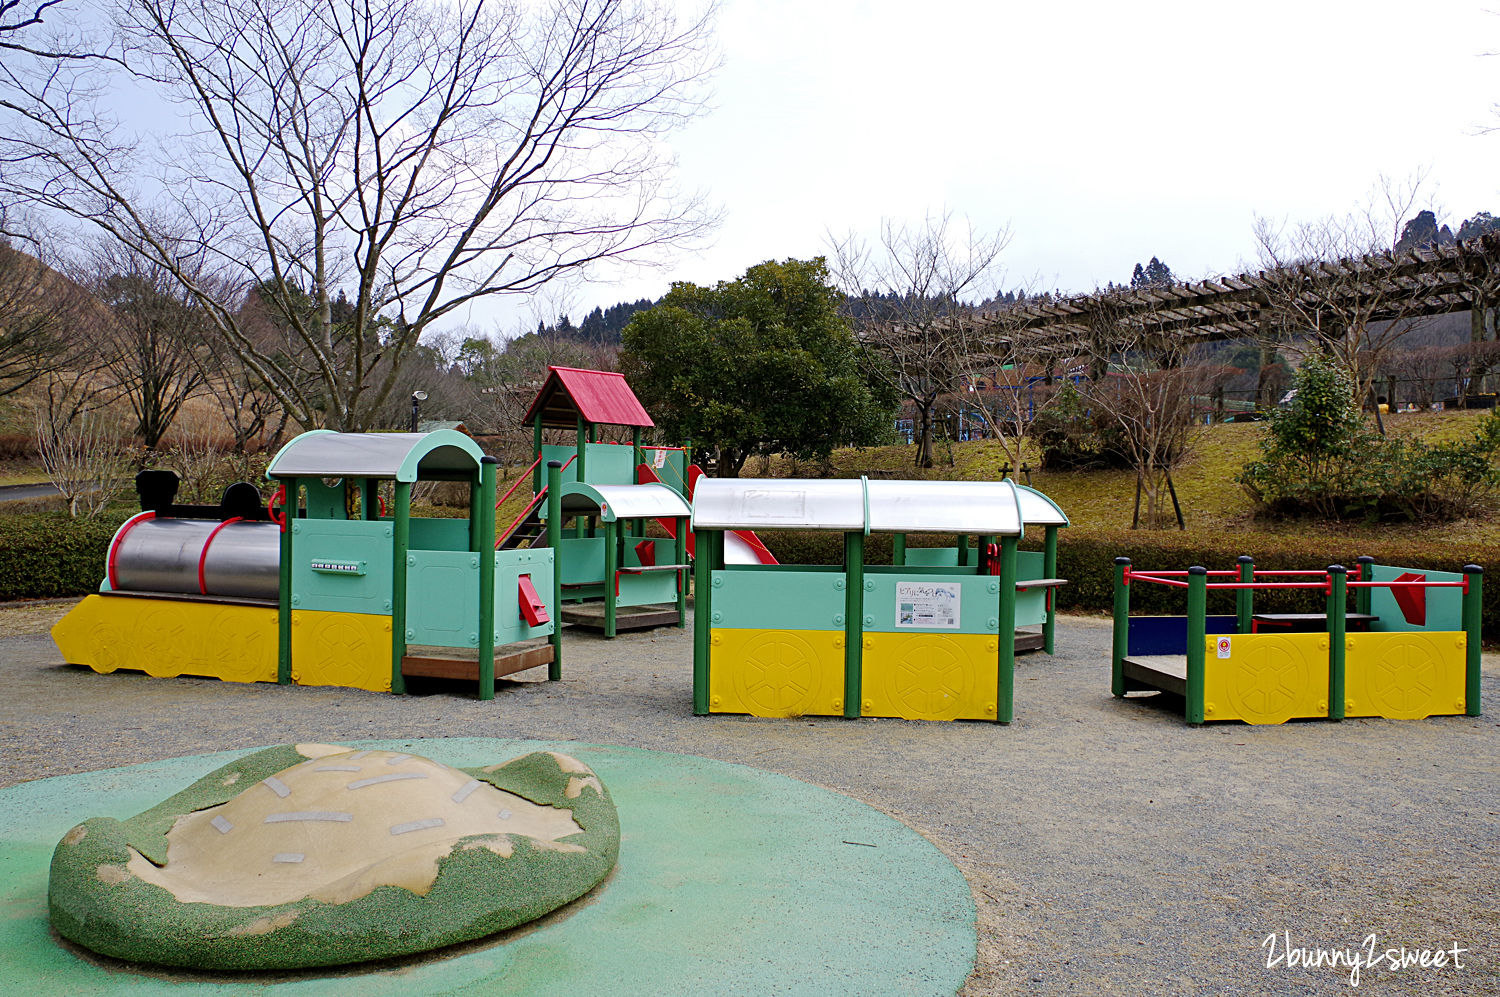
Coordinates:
(1158,274)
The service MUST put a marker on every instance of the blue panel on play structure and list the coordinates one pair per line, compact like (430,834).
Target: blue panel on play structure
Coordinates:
(1168,634)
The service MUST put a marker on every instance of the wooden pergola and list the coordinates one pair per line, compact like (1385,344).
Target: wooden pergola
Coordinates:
(1438,280)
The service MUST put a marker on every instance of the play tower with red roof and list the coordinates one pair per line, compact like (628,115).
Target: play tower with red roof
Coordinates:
(593,502)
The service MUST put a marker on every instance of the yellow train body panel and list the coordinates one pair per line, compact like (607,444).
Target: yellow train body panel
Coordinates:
(166,638)
(1405,675)
(925,676)
(343,649)
(776,673)
(1265,678)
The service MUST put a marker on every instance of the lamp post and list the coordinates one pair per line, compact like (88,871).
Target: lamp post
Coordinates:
(417,398)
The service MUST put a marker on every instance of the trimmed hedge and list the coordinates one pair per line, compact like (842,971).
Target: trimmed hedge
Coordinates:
(47,555)
(1087,559)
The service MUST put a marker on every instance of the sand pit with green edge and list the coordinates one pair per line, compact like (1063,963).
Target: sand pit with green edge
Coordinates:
(730,881)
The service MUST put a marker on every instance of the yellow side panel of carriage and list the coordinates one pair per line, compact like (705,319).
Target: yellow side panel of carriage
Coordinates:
(1265,678)
(927,676)
(166,638)
(344,649)
(776,673)
(1405,675)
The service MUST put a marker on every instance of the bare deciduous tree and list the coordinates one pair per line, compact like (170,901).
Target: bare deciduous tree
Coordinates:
(1318,285)
(151,340)
(41,313)
(409,158)
(1148,389)
(85,459)
(907,296)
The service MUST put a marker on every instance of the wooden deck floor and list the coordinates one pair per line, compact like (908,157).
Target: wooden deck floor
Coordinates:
(1167,672)
(463,662)
(591,615)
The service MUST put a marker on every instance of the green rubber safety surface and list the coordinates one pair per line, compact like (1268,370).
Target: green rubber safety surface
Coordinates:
(730,881)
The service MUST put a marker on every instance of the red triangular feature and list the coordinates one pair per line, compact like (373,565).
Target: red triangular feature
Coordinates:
(533,609)
(1411,599)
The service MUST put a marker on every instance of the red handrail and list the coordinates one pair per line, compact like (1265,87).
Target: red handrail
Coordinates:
(535,501)
(1395,584)
(525,474)
(1269,585)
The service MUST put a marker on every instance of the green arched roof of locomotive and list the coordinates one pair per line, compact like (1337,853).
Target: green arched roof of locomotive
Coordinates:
(322,453)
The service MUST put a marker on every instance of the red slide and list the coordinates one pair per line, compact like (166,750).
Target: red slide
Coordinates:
(740,546)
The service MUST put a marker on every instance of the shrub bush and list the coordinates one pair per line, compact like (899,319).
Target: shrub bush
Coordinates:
(1321,459)
(1087,559)
(49,555)
(17,446)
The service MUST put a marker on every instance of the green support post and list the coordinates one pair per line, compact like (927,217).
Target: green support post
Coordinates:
(1244,598)
(637,457)
(1049,570)
(1364,572)
(581,438)
(581,525)
(401,541)
(537,472)
(611,583)
(1197,633)
(687,459)
(1005,706)
(854,621)
(1338,591)
(898,550)
(963,549)
(554,541)
(703,566)
(1473,609)
(484,500)
(1121,644)
(679,551)
(284,614)
(369,500)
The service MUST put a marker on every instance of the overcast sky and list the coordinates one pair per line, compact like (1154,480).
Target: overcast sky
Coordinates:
(1100,133)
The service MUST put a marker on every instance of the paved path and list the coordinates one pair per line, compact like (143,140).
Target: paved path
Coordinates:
(1111,848)
(12,493)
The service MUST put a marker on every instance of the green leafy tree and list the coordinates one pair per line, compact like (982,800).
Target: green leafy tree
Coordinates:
(763,364)
(1320,458)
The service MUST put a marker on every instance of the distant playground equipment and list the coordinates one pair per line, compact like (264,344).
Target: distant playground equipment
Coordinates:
(610,575)
(334,591)
(1416,652)
(931,637)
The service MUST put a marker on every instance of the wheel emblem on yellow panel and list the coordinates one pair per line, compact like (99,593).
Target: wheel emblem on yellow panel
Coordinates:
(1403,679)
(164,642)
(107,647)
(1265,684)
(778,675)
(929,680)
(238,649)
(343,652)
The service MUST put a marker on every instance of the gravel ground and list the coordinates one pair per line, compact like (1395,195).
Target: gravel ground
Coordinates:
(1111,848)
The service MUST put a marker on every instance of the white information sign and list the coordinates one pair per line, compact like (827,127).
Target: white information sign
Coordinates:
(928,605)
(660,460)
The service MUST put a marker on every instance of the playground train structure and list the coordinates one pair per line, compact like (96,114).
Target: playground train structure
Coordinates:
(336,582)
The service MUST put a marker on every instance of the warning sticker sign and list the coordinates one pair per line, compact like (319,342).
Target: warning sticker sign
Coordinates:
(928,605)
(1223,647)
